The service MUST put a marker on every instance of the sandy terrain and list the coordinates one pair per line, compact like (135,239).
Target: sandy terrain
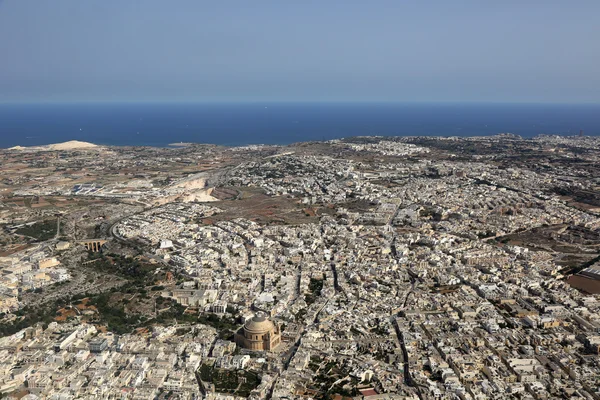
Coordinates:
(70,145)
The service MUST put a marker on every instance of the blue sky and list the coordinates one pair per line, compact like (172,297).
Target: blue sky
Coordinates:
(342,50)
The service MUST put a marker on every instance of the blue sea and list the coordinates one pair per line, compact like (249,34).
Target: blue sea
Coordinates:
(280,123)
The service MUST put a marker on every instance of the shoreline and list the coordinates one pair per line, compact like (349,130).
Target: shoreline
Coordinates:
(78,145)
(181,144)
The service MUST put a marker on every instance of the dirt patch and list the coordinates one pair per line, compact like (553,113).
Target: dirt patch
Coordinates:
(573,260)
(585,284)
(64,314)
(255,205)
(558,238)
(11,249)
(223,193)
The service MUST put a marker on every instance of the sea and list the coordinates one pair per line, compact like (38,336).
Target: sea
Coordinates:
(235,124)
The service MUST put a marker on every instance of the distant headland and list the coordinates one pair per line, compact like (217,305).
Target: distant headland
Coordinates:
(70,145)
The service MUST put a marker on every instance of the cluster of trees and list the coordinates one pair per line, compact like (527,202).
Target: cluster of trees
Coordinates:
(30,316)
(227,381)
(226,326)
(127,267)
(112,312)
(40,231)
(114,316)
(315,286)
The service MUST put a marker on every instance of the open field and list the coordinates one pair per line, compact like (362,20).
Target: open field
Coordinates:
(253,204)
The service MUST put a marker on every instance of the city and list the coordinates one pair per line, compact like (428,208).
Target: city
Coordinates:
(364,268)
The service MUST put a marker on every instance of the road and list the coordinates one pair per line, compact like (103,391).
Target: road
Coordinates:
(57,228)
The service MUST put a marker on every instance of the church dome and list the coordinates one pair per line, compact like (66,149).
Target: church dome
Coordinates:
(259,324)
(258,333)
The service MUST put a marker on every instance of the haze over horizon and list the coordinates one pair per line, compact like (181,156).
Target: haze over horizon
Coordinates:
(462,51)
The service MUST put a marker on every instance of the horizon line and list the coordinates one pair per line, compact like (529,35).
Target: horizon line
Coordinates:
(275,101)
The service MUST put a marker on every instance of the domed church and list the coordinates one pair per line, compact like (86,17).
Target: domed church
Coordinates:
(258,333)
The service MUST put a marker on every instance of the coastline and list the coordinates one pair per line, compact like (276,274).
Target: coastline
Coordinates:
(169,125)
(181,144)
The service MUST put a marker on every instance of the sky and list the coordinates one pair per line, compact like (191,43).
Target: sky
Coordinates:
(309,50)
